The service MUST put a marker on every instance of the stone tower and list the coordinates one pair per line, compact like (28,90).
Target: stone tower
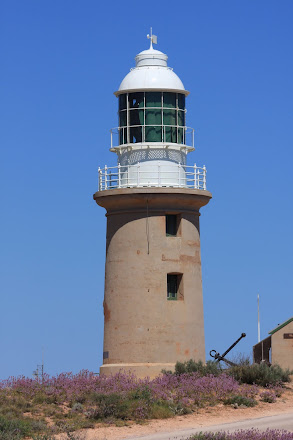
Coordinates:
(153,305)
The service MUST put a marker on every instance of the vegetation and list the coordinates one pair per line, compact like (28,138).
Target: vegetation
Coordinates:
(199,367)
(260,374)
(251,434)
(67,402)
(239,400)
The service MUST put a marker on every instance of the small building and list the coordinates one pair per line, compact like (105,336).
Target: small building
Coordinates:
(278,347)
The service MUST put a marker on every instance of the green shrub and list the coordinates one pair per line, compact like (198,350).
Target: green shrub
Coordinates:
(240,400)
(14,429)
(43,398)
(259,374)
(143,393)
(160,410)
(109,405)
(268,396)
(191,366)
(77,407)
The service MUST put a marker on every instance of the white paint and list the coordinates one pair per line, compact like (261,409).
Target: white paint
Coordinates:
(151,73)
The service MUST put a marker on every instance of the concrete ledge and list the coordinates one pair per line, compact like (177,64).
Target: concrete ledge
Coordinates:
(115,200)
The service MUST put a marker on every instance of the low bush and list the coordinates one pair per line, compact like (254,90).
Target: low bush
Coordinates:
(247,434)
(239,400)
(259,374)
(13,429)
(268,396)
(199,367)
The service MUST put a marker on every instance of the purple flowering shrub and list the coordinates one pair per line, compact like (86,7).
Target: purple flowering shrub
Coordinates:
(250,434)
(186,388)
(268,396)
(80,400)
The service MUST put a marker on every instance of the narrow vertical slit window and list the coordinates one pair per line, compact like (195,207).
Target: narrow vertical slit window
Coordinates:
(172,225)
(174,287)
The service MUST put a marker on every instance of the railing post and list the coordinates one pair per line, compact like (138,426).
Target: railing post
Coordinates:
(100,179)
(179,165)
(106,183)
(159,174)
(195,177)
(138,176)
(119,176)
(204,177)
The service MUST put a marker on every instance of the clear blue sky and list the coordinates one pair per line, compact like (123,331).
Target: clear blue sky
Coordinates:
(61,61)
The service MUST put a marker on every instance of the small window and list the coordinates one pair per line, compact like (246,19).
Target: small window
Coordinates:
(174,287)
(172,225)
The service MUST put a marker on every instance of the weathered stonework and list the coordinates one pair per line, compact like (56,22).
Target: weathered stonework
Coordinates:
(143,331)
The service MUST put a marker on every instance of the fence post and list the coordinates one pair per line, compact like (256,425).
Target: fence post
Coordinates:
(106,182)
(119,176)
(195,177)
(204,177)
(100,179)
(159,174)
(138,176)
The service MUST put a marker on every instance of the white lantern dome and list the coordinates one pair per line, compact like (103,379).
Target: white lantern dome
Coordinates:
(151,73)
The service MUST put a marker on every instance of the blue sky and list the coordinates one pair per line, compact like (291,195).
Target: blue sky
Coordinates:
(61,61)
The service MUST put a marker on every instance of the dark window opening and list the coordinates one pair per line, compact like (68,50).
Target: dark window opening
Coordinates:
(174,287)
(172,225)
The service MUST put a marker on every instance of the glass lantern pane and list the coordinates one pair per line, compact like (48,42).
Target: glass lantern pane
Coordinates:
(123,136)
(181,101)
(122,102)
(122,118)
(135,134)
(136,117)
(181,118)
(180,136)
(153,117)
(135,100)
(153,99)
(153,134)
(170,134)
(169,117)
(169,100)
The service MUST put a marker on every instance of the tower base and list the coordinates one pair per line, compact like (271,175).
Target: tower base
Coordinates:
(142,370)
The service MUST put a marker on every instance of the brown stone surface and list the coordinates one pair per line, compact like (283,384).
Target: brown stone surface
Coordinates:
(143,330)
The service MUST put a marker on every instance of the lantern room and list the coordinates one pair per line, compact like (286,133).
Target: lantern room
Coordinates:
(152,139)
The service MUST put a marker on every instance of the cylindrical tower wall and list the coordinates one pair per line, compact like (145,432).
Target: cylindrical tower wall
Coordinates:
(144,330)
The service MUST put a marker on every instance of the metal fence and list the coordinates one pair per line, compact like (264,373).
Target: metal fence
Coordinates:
(156,175)
(168,134)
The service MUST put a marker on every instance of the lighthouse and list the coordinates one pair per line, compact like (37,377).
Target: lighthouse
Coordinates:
(153,302)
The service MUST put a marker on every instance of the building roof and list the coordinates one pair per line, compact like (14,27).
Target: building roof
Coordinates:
(280,326)
(151,73)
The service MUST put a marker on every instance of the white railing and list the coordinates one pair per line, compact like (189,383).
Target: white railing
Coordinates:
(159,174)
(120,136)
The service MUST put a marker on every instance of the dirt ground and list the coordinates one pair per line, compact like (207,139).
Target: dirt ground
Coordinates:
(205,417)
